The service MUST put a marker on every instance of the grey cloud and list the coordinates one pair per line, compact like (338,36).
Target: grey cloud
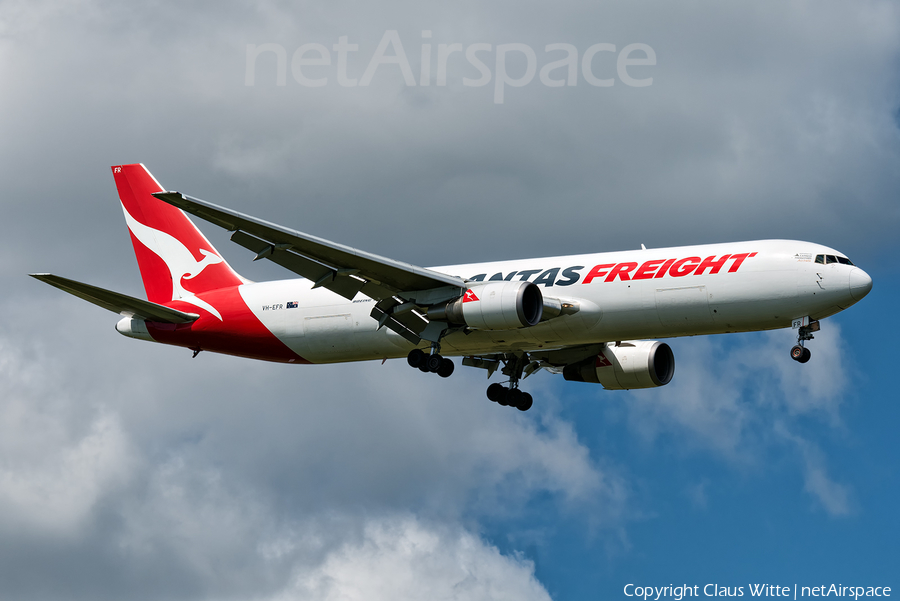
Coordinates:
(754,131)
(129,468)
(188,478)
(54,469)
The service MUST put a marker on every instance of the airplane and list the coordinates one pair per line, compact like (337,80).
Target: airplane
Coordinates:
(593,317)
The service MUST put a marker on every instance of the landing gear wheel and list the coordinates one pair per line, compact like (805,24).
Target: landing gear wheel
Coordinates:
(433,363)
(415,357)
(514,397)
(526,402)
(495,392)
(800,354)
(503,397)
(446,368)
(424,368)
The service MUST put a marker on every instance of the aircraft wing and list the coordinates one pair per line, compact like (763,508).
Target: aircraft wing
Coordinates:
(115,302)
(339,268)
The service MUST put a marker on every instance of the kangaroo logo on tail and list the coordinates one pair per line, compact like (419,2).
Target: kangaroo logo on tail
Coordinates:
(177,257)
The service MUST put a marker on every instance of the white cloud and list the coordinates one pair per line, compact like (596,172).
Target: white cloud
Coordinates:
(704,400)
(698,495)
(739,401)
(817,387)
(722,402)
(402,558)
(835,498)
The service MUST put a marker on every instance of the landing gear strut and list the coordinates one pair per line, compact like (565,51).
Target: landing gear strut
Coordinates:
(799,352)
(433,363)
(511,396)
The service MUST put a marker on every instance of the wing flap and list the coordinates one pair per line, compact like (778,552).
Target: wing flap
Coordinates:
(116,302)
(383,314)
(382,276)
(336,280)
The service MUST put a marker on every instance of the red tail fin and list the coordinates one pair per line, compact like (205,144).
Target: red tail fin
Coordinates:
(175,258)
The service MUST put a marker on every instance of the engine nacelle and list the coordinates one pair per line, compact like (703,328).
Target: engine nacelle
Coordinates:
(494,306)
(134,327)
(630,365)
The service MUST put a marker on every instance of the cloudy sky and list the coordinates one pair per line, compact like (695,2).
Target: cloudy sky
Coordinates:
(129,470)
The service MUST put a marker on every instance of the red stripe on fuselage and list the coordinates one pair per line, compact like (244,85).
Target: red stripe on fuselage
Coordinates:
(239,332)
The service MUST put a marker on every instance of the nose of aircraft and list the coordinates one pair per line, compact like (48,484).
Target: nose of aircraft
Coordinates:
(860,283)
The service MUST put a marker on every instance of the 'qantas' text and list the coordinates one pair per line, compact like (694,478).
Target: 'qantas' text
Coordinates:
(625,271)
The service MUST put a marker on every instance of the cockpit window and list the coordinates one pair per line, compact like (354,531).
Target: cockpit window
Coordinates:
(823,259)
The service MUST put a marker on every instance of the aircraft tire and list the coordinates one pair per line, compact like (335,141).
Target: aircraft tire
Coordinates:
(806,356)
(495,391)
(503,397)
(515,397)
(797,353)
(526,402)
(446,368)
(415,357)
(433,362)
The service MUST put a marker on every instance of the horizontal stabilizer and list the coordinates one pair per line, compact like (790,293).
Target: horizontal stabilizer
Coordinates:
(115,302)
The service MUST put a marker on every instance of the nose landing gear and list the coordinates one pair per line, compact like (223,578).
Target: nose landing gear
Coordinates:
(805,327)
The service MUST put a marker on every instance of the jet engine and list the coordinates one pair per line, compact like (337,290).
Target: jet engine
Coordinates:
(626,365)
(134,327)
(494,306)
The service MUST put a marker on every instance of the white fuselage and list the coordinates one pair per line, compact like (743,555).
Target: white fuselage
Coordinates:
(625,295)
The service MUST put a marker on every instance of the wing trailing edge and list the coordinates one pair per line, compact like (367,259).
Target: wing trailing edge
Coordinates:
(328,264)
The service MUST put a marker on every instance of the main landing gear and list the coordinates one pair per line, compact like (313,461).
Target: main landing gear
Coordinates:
(799,352)
(514,365)
(432,363)
(511,396)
